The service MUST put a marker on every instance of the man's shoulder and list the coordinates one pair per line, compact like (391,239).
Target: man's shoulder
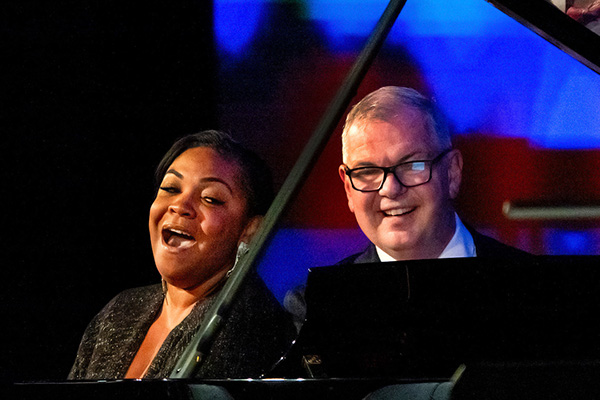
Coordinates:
(487,246)
(368,255)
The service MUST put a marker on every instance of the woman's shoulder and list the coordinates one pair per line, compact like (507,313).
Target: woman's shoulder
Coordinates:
(142,292)
(139,300)
(137,294)
(258,307)
(256,293)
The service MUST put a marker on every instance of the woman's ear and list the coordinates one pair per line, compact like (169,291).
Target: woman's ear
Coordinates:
(251,228)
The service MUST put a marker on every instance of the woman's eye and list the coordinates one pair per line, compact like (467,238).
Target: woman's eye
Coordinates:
(169,189)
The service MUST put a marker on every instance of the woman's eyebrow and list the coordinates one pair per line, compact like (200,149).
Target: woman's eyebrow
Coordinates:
(174,172)
(207,179)
(212,179)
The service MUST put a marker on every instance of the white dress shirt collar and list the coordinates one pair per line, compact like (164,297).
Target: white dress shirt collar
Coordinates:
(461,244)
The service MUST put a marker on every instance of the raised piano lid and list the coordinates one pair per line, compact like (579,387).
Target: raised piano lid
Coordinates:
(554,25)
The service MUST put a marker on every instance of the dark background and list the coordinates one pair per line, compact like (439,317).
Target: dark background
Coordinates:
(94,93)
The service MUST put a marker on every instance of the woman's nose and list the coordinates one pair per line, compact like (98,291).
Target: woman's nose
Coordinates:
(184,206)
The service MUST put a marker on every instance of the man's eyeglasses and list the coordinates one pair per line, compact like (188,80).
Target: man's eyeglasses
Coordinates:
(409,174)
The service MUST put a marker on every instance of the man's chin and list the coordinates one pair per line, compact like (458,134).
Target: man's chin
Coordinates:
(399,246)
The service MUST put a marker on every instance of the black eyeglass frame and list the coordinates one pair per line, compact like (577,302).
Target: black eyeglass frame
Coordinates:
(388,170)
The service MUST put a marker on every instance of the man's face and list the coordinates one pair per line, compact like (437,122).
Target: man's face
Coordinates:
(406,223)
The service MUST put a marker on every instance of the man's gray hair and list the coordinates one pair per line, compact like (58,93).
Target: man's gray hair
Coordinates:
(389,102)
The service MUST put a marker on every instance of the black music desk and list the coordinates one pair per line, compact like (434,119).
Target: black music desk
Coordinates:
(251,389)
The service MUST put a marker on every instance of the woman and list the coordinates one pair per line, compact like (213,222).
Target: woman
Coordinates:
(211,196)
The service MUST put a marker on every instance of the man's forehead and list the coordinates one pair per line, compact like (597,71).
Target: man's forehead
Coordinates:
(381,143)
(374,133)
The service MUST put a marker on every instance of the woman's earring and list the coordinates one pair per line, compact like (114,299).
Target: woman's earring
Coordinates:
(241,251)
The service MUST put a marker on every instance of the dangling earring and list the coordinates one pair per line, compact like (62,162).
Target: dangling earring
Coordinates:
(241,251)
(164,286)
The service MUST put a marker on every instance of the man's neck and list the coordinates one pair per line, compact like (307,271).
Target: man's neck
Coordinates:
(459,243)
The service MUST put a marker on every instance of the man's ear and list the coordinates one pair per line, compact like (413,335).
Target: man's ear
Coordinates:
(251,228)
(455,167)
(347,186)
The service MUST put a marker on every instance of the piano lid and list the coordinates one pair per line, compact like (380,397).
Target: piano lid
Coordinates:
(549,18)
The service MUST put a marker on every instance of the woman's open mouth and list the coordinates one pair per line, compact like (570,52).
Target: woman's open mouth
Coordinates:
(177,238)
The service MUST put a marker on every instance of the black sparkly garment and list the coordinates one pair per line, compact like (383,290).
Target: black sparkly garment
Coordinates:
(256,334)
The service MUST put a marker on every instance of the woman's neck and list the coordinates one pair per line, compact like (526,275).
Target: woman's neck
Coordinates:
(177,305)
(180,301)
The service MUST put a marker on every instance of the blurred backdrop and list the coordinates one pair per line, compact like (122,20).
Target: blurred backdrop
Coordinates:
(97,91)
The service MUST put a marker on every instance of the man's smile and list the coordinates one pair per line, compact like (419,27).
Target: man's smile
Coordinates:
(396,212)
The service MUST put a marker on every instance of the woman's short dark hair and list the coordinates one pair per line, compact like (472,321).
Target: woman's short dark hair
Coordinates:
(256,179)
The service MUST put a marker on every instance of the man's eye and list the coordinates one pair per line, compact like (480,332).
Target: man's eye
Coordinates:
(169,189)
(212,200)
(417,166)
(408,167)
(367,173)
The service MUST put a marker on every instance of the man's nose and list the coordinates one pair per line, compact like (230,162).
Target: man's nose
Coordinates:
(392,187)
(184,206)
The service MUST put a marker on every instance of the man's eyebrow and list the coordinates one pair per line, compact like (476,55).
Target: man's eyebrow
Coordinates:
(403,159)
(409,156)
(365,164)
(174,172)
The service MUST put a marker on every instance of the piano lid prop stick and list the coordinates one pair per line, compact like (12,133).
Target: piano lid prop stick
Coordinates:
(200,344)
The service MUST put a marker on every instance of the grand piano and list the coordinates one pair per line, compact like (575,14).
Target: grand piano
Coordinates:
(544,370)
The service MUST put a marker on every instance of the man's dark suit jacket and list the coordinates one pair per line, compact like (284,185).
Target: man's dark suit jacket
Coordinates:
(485,246)
(295,303)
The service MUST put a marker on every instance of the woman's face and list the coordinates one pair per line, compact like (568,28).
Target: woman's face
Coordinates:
(198,218)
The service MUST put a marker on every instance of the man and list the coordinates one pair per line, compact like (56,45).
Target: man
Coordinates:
(401,176)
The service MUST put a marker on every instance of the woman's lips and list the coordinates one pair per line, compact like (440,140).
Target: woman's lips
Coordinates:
(177,239)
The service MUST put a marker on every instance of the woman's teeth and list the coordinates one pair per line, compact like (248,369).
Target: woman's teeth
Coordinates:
(177,238)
